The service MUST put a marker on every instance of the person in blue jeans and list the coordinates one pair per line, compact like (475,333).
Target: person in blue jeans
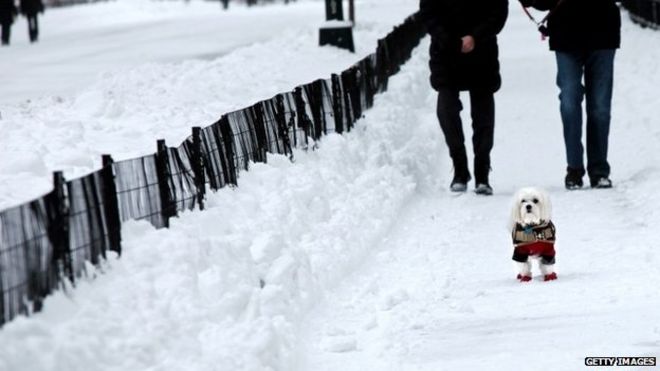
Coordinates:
(584,34)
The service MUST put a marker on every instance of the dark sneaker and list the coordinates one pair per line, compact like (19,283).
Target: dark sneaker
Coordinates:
(601,183)
(573,178)
(458,186)
(483,189)
(459,183)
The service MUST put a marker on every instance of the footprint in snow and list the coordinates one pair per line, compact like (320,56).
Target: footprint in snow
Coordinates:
(339,344)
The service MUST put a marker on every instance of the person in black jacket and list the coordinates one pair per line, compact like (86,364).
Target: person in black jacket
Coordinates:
(31,8)
(584,34)
(7,15)
(464,57)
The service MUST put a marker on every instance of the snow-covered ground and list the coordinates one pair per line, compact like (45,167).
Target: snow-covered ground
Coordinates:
(114,77)
(80,43)
(439,291)
(356,257)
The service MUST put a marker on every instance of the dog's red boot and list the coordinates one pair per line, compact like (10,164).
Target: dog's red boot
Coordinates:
(550,277)
(522,278)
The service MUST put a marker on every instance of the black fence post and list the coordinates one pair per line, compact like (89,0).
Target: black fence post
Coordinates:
(654,17)
(301,114)
(231,171)
(197,163)
(168,209)
(59,227)
(314,94)
(351,96)
(259,125)
(382,65)
(111,204)
(369,77)
(282,125)
(337,103)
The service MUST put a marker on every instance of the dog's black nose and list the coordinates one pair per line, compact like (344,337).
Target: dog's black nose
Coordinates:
(529,208)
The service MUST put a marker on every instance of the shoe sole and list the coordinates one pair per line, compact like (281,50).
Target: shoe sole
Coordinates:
(484,191)
(458,189)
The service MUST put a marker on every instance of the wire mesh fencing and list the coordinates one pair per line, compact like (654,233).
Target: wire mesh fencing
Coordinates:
(59,3)
(93,221)
(50,243)
(28,258)
(644,12)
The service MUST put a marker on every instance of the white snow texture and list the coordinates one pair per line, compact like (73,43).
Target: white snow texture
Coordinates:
(354,257)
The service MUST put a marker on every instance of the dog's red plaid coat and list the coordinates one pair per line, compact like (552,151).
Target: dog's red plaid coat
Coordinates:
(534,240)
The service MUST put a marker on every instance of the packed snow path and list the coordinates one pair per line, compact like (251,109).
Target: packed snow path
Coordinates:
(356,257)
(78,43)
(439,291)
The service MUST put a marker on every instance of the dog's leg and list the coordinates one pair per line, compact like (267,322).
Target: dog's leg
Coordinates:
(524,271)
(548,271)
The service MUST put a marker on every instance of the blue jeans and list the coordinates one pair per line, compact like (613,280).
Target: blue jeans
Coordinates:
(597,68)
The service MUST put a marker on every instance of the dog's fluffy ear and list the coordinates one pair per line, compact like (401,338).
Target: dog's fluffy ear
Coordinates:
(514,217)
(546,210)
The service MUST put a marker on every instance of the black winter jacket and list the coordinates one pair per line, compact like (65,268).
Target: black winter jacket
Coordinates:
(447,21)
(31,7)
(7,11)
(579,25)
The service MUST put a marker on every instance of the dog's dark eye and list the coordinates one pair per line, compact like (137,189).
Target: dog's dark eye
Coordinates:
(523,201)
(536,200)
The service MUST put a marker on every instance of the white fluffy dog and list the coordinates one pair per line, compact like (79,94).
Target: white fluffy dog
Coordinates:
(533,233)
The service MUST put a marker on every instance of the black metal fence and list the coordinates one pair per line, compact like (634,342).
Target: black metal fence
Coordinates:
(644,12)
(225,3)
(57,3)
(50,241)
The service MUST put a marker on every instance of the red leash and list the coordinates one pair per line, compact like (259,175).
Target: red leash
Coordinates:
(541,26)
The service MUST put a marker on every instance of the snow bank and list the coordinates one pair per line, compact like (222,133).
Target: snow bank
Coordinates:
(225,288)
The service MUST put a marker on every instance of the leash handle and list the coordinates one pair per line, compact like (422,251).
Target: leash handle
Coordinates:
(543,29)
(545,19)
(539,25)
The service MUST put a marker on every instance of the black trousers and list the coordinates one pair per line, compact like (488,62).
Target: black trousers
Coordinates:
(482,104)
(6,33)
(33,27)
